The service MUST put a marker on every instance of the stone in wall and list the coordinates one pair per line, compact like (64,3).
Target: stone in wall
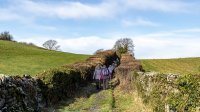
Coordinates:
(19,94)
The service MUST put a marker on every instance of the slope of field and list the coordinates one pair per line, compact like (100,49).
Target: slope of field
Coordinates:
(16,58)
(180,65)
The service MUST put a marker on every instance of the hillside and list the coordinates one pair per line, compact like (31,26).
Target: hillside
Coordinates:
(180,65)
(17,58)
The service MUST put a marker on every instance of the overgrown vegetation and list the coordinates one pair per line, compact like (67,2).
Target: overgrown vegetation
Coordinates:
(17,58)
(59,84)
(178,66)
(179,93)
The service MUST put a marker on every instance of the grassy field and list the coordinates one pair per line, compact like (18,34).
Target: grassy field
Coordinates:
(16,58)
(180,66)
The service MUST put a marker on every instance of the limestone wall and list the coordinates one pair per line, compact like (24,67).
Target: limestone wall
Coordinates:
(19,93)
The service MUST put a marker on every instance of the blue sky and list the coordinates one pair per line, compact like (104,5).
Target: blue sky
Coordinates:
(158,28)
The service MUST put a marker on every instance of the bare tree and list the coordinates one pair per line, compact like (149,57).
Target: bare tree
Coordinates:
(6,36)
(124,45)
(51,45)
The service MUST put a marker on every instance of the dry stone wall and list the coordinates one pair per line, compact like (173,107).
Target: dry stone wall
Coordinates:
(169,92)
(19,94)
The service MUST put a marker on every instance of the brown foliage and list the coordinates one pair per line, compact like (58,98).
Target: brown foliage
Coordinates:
(125,70)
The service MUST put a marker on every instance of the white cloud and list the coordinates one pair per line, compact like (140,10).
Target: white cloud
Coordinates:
(66,10)
(172,48)
(85,45)
(167,45)
(193,30)
(159,5)
(79,10)
(139,22)
(8,15)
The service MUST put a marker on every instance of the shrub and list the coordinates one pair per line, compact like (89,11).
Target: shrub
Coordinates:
(187,99)
(181,94)
(61,83)
(6,36)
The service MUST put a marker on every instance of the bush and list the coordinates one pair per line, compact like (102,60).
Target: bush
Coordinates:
(180,94)
(187,99)
(60,82)
(6,36)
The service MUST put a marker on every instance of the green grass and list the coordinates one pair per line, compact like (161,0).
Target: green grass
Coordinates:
(100,102)
(179,66)
(97,101)
(129,101)
(19,59)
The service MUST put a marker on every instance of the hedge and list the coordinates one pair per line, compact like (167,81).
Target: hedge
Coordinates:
(61,83)
(180,93)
